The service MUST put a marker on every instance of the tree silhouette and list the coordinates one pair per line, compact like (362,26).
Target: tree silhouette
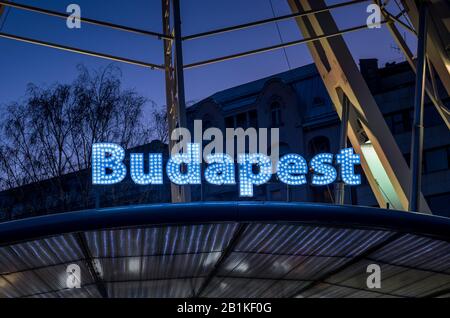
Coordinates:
(50,134)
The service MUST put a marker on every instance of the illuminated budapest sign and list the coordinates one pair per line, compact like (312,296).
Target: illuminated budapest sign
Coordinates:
(254,169)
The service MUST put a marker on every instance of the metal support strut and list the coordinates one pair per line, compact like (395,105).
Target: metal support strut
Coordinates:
(340,186)
(175,95)
(417,135)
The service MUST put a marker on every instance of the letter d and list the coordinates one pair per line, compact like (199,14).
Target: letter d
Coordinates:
(185,168)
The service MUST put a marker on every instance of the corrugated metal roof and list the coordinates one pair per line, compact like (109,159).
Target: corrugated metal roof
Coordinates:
(296,257)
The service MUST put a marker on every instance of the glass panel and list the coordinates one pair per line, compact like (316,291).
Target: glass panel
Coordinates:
(395,280)
(251,288)
(49,251)
(331,291)
(160,240)
(307,240)
(436,160)
(157,267)
(45,280)
(418,252)
(175,288)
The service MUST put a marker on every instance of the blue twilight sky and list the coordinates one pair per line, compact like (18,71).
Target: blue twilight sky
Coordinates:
(23,63)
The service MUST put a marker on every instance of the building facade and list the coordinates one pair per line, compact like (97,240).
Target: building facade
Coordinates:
(297,103)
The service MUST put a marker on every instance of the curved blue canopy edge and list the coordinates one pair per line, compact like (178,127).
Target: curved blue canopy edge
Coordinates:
(218,212)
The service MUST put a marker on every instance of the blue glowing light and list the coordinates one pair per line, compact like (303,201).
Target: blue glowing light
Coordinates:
(220,170)
(292,169)
(185,168)
(107,156)
(324,172)
(347,159)
(254,169)
(155,163)
(247,177)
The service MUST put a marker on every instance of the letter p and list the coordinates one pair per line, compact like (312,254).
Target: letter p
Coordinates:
(248,177)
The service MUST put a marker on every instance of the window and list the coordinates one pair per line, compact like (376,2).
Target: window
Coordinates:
(400,122)
(322,194)
(275,112)
(241,120)
(229,122)
(407,157)
(431,117)
(397,123)
(318,101)
(253,119)
(437,159)
(439,204)
(317,145)
(284,149)
(276,195)
(207,123)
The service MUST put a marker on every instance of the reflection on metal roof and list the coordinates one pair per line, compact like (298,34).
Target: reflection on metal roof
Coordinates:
(302,254)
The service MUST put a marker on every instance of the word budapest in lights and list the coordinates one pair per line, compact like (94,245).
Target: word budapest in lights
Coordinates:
(108,168)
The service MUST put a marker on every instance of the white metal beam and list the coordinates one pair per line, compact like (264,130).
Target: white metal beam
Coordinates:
(382,160)
(438,42)
(174,112)
(440,107)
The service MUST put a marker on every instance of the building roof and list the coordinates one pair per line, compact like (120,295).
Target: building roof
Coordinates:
(255,87)
(227,250)
(247,93)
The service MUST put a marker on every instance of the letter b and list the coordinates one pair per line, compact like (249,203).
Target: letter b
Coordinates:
(107,164)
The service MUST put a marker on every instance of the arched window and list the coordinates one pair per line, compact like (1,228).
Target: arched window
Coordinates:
(318,101)
(284,149)
(319,144)
(275,114)
(207,122)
